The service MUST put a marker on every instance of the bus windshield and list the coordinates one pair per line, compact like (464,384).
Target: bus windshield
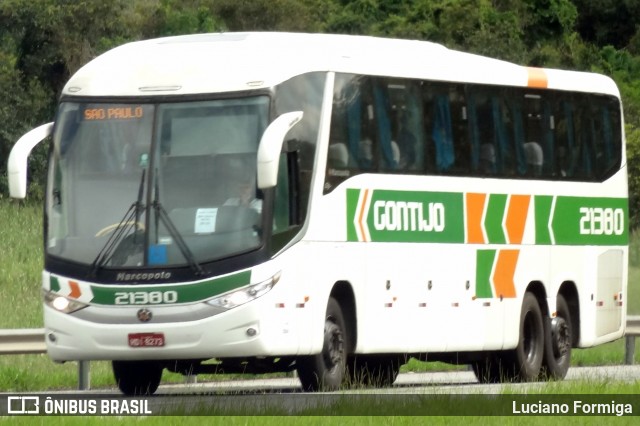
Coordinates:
(155,184)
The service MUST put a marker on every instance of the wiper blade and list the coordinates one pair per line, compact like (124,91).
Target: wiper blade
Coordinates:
(175,234)
(161,213)
(129,221)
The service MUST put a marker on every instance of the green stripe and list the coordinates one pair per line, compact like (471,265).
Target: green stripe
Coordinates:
(494,218)
(542,206)
(416,217)
(54,284)
(438,217)
(187,293)
(590,221)
(484,265)
(352,210)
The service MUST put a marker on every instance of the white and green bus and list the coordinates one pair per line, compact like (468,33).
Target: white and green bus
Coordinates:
(259,202)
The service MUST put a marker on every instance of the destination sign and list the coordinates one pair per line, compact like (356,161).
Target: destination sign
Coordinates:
(114,113)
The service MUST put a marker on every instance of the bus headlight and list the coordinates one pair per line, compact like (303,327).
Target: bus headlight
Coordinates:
(246,294)
(61,303)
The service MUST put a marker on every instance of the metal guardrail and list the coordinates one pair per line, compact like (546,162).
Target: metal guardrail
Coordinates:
(632,330)
(31,341)
(22,341)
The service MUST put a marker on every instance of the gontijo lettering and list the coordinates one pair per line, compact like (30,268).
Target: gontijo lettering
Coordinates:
(379,215)
(408,216)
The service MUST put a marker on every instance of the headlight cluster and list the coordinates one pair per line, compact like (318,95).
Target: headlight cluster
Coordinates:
(61,303)
(246,294)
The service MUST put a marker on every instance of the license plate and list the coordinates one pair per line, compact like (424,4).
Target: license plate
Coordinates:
(146,340)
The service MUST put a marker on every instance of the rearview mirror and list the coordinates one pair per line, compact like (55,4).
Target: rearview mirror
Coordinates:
(17,163)
(271,146)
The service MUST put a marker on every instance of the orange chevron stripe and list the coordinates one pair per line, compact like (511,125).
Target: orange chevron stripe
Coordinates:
(475,207)
(504,271)
(537,78)
(75,290)
(361,217)
(517,217)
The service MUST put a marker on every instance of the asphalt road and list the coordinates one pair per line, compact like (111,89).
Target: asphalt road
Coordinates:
(437,382)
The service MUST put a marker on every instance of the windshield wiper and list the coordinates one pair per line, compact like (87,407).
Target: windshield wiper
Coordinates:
(161,213)
(129,221)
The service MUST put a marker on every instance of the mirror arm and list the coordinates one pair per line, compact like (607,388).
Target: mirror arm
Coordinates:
(271,146)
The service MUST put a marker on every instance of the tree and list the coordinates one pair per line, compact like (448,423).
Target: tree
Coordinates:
(270,15)
(608,22)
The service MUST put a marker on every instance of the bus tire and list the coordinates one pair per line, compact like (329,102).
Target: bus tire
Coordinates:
(558,340)
(137,377)
(374,370)
(528,355)
(326,370)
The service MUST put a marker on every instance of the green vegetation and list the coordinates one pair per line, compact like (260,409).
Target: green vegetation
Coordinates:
(324,420)
(42,42)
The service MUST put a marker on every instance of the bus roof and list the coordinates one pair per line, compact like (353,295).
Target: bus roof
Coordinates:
(225,62)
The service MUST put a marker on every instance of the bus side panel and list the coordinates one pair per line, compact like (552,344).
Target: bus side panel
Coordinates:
(609,292)
(600,274)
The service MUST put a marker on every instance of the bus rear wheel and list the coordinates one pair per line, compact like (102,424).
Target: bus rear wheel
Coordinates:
(528,355)
(137,377)
(326,370)
(558,341)
(525,361)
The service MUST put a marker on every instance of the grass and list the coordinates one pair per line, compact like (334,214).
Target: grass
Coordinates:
(21,307)
(20,265)
(328,421)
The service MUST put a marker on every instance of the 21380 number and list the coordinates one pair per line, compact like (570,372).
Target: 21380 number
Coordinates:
(146,297)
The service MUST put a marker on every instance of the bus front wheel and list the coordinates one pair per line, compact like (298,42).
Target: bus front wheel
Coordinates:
(326,370)
(137,377)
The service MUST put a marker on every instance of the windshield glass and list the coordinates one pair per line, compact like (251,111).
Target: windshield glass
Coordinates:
(117,197)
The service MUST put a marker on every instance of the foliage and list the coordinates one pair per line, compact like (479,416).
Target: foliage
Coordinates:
(42,42)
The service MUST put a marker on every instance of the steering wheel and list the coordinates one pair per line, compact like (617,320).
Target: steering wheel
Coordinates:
(107,229)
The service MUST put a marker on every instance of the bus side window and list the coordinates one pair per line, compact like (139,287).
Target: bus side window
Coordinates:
(606,144)
(407,125)
(565,140)
(583,155)
(442,133)
(389,152)
(463,150)
(534,158)
(288,200)
(338,156)
(345,138)
(281,208)
(488,152)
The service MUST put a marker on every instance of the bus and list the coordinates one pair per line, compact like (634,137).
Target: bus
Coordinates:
(332,205)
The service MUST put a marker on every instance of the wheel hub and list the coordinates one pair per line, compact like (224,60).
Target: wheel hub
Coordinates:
(560,337)
(334,344)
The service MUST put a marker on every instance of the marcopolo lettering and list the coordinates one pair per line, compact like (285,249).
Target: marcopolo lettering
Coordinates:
(143,276)
(408,216)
